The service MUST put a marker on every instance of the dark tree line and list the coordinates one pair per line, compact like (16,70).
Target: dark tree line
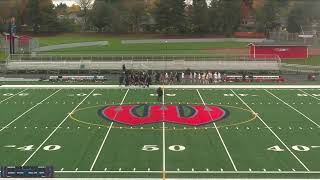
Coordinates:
(161,16)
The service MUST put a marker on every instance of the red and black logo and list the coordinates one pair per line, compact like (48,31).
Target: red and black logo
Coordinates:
(147,114)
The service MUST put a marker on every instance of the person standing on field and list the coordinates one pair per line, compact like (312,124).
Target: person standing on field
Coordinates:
(160,94)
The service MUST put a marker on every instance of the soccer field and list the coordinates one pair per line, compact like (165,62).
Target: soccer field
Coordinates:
(189,132)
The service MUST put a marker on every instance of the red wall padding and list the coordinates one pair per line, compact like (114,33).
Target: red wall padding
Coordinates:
(284,52)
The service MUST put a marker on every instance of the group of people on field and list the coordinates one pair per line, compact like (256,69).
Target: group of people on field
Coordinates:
(145,78)
(207,77)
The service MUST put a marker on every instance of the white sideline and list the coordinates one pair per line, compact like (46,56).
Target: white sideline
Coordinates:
(296,157)
(106,136)
(198,172)
(293,108)
(171,86)
(56,129)
(29,110)
(217,129)
(13,96)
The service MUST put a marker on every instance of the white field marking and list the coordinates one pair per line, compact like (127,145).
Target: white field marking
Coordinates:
(271,131)
(163,139)
(107,134)
(29,110)
(224,145)
(309,94)
(217,87)
(12,96)
(294,109)
(56,129)
(199,172)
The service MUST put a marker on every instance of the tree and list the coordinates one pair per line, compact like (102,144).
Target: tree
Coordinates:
(200,16)
(170,15)
(85,6)
(61,9)
(303,16)
(269,15)
(225,16)
(33,15)
(101,14)
(135,14)
(48,16)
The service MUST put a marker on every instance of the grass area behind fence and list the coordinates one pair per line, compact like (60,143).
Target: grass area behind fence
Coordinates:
(116,47)
(313,61)
(2,55)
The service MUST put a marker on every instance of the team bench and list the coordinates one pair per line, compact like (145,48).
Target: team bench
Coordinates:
(260,78)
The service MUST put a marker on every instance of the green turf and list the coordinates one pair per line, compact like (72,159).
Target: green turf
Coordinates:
(313,60)
(115,46)
(2,55)
(240,142)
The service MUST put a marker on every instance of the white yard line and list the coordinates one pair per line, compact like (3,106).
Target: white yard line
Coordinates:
(106,136)
(163,138)
(296,157)
(293,108)
(199,172)
(12,96)
(224,145)
(310,95)
(28,110)
(56,129)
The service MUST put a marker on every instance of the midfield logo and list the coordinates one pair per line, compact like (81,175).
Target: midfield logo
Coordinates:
(179,114)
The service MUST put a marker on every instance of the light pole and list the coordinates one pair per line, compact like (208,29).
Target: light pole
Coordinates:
(165,53)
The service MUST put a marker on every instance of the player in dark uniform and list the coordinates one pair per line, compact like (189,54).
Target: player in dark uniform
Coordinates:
(160,94)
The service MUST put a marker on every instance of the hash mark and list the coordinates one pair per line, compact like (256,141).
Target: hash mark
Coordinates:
(279,170)
(178,169)
(293,170)
(61,169)
(264,169)
(105,169)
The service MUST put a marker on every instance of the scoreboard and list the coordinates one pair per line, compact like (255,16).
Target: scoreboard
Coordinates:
(27,172)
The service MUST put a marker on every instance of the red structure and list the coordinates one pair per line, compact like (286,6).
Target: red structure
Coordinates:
(257,51)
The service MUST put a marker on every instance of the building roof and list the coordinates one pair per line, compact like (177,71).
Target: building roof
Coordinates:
(277,45)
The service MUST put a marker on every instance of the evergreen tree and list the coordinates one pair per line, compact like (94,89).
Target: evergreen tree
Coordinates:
(225,16)
(200,16)
(48,16)
(33,15)
(101,14)
(170,16)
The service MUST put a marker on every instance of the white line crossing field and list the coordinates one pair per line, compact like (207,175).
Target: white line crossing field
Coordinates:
(29,110)
(107,134)
(249,140)
(25,162)
(293,108)
(224,145)
(295,156)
